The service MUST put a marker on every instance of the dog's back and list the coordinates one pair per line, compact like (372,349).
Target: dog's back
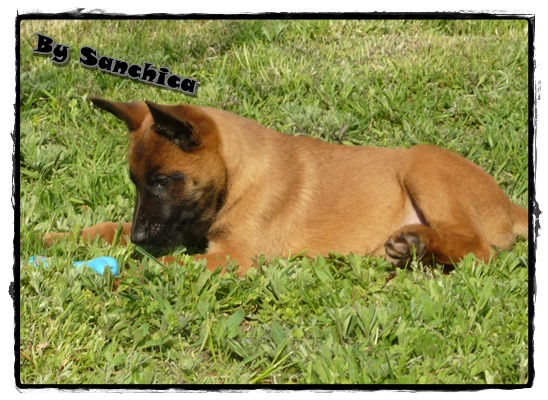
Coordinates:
(320,197)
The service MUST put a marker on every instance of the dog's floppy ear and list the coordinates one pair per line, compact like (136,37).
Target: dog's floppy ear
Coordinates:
(170,123)
(132,113)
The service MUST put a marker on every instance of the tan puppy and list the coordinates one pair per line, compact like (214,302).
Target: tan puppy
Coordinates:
(203,173)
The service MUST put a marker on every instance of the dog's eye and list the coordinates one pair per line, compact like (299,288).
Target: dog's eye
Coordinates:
(161,180)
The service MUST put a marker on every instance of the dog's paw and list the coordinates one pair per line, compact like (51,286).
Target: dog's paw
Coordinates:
(402,247)
(49,238)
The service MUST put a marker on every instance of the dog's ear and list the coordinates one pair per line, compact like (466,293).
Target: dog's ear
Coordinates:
(132,113)
(170,123)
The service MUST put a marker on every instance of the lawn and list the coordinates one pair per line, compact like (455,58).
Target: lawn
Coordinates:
(461,84)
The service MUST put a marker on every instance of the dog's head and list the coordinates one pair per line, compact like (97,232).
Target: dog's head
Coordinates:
(177,170)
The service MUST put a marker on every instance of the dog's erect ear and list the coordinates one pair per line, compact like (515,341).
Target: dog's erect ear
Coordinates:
(132,114)
(171,124)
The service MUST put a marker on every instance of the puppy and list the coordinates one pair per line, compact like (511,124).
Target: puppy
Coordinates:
(207,174)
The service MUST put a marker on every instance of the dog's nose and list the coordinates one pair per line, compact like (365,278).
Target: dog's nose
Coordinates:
(139,236)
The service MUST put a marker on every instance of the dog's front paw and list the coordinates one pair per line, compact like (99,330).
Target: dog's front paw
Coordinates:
(49,238)
(403,246)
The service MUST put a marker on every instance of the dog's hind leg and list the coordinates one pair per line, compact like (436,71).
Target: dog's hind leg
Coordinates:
(439,244)
(459,210)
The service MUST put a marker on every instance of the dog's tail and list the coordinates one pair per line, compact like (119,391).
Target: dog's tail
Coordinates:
(520,218)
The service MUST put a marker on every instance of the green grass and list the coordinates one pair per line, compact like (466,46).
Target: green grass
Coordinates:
(458,84)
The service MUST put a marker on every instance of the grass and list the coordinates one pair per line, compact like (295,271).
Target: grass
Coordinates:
(460,84)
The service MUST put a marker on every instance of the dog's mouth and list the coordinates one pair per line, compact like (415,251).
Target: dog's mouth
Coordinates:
(187,220)
(187,230)
(167,223)
(192,229)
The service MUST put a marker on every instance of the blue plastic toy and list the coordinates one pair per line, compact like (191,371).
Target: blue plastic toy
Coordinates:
(38,260)
(97,264)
